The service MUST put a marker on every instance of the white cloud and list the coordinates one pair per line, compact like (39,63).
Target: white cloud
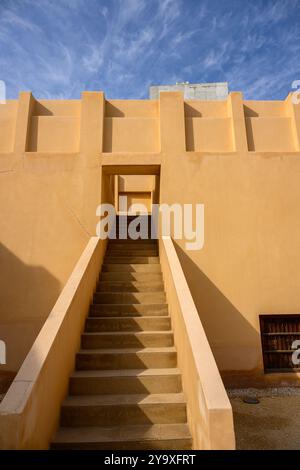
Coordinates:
(15,21)
(130,10)
(168,12)
(94,59)
(217,57)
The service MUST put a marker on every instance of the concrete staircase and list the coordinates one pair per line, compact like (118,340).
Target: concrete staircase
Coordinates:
(126,390)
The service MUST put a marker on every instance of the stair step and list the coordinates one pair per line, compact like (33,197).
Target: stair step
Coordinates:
(133,358)
(126,437)
(129,297)
(132,248)
(126,390)
(131,260)
(147,242)
(135,267)
(127,277)
(113,410)
(94,324)
(126,310)
(130,286)
(125,381)
(152,339)
(131,254)
(139,249)
(127,252)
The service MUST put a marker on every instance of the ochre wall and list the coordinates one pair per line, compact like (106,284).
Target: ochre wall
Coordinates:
(44,227)
(136,183)
(269,126)
(250,261)
(48,213)
(60,120)
(135,198)
(240,158)
(131,126)
(207,126)
(8,113)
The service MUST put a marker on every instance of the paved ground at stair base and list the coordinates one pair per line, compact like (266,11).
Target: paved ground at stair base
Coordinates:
(273,424)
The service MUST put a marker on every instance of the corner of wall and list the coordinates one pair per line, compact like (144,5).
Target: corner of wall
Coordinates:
(238,126)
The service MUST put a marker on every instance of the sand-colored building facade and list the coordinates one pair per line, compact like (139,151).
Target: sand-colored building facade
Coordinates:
(59,159)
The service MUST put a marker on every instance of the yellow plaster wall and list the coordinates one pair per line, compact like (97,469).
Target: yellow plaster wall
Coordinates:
(270,134)
(207,126)
(63,129)
(48,212)
(8,114)
(132,108)
(131,126)
(135,183)
(251,257)
(250,263)
(208,134)
(55,126)
(136,198)
(269,126)
(264,108)
(57,108)
(130,135)
(205,109)
(44,227)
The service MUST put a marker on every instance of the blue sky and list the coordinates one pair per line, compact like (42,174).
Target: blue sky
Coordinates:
(58,48)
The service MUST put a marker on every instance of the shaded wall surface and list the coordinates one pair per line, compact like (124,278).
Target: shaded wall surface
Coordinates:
(241,159)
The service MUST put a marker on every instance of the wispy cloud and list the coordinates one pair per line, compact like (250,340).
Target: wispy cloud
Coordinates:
(218,57)
(93,60)
(57,48)
(13,20)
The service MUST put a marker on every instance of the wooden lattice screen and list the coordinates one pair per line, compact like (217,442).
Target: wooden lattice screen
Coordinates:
(278,332)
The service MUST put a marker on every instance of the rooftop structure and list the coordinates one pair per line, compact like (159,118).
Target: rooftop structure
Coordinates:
(193,91)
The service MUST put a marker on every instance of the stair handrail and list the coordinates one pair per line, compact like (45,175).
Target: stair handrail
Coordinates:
(209,410)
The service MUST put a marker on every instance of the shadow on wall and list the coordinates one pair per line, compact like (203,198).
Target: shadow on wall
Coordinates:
(112,110)
(250,113)
(190,111)
(189,137)
(233,340)
(27,295)
(39,110)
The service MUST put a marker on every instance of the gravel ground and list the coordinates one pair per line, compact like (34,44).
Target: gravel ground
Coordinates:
(273,424)
(264,392)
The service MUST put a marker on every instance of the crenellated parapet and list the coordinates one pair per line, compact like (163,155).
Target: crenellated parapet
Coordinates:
(94,125)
